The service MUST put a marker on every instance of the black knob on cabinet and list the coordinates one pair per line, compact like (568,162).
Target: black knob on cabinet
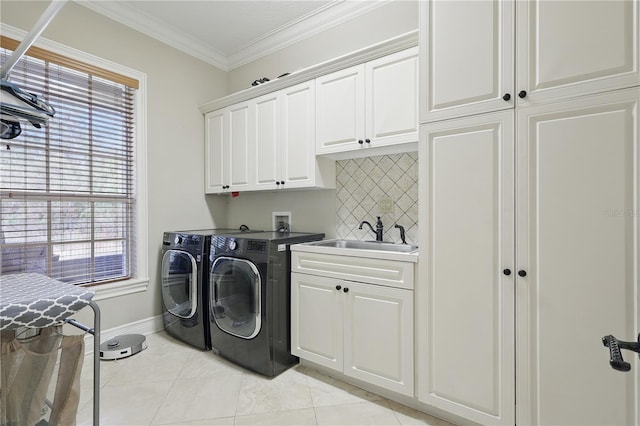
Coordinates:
(278,182)
(281,182)
(507,272)
(367,140)
(522,273)
(522,94)
(346,289)
(338,287)
(360,141)
(506,97)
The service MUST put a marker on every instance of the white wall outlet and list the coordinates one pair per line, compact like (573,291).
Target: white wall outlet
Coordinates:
(386,205)
(281,221)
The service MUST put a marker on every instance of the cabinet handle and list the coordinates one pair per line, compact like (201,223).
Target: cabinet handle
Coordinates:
(506,97)
(281,182)
(278,182)
(346,289)
(338,287)
(367,140)
(360,141)
(522,94)
(507,272)
(522,273)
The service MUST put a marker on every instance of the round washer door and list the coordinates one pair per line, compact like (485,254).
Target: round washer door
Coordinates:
(180,283)
(236,296)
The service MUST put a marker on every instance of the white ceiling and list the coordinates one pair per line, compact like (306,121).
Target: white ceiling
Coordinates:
(230,33)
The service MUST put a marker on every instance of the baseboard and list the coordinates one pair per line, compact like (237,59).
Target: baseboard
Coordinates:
(145,327)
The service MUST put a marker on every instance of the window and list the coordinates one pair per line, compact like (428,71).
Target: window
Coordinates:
(68,190)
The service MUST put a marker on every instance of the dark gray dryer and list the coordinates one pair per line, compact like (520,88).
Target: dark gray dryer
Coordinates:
(250,298)
(184,284)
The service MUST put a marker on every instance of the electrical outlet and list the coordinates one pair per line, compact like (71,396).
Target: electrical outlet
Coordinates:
(386,205)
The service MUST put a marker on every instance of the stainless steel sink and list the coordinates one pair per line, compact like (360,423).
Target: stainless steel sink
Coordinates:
(366,245)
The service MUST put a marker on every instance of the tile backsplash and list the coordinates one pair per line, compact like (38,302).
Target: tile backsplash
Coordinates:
(385,186)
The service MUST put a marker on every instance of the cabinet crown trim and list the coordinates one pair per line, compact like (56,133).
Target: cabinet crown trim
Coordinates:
(387,47)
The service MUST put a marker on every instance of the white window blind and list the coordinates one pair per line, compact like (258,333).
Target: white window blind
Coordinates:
(67,195)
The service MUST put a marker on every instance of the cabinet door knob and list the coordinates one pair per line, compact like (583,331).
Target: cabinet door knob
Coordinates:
(367,140)
(507,272)
(281,182)
(506,97)
(338,287)
(278,182)
(346,289)
(522,94)
(360,141)
(522,273)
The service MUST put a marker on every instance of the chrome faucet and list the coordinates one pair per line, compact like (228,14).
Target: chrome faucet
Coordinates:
(377,231)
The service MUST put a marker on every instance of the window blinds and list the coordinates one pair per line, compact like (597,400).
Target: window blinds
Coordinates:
(67,193)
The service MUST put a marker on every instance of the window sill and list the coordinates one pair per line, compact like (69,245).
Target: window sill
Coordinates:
(119,288)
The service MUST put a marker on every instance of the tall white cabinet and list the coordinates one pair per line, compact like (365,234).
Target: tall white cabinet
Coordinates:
(577,237)
(465,306)
(529,210)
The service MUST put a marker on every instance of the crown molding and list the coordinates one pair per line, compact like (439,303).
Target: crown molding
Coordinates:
(158,30)
(333,14)
(311,24)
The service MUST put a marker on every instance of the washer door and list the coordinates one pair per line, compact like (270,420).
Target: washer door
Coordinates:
(235,296)
(180,283)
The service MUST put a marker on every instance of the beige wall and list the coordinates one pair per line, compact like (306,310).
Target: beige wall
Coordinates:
(378,25)
(176,85)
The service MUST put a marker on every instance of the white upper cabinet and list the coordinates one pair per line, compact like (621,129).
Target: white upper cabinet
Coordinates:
(285,141)
(227,144)
(466,60)
(559,49)
(299,165)
(266,143)
(340,110)
(267,135)
(371,105)
(214,152)
(569,48)
(240,125)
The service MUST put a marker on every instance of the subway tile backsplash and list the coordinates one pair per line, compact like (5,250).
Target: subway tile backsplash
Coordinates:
(385,186)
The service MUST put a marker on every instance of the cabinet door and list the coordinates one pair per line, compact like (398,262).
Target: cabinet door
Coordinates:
(577,241)
(240,124)
(298,154)
(466,308)
(317,319)
(391,95)
(215,149)
(267,141)
(378,335)
(466,57)
(569,48)
(340,111)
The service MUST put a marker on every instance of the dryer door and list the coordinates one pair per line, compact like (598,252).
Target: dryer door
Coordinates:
(236,296)
(180,283)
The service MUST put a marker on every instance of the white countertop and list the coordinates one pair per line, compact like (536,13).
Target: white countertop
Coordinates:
(373,254)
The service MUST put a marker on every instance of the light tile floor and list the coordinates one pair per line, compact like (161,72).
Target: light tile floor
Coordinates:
(171,383)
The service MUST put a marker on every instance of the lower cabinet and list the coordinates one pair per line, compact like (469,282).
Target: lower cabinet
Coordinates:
(364,331)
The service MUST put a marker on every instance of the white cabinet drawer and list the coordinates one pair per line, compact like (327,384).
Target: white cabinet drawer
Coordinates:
(374,271)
